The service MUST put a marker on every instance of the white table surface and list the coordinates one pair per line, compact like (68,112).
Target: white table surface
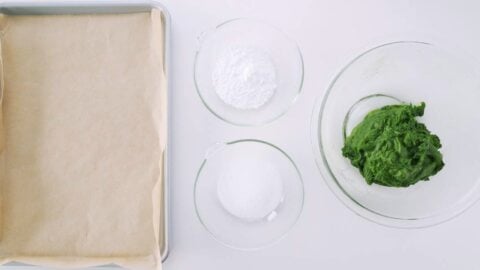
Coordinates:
(327,235)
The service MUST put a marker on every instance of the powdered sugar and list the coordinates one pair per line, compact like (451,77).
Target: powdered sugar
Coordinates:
(244,77)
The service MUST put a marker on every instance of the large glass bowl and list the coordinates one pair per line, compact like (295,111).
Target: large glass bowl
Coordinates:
(283,52)
(410,72)
(235,228)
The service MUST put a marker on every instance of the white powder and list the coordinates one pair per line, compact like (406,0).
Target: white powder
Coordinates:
(250,189)
(244,77)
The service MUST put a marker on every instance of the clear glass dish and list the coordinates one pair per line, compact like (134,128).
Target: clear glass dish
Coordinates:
(410,72)
(228,223)
(248,33)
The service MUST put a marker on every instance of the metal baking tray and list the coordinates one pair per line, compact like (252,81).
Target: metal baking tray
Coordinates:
(41,7)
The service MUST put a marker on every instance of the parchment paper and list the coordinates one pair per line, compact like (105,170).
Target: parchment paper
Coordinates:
(82,139)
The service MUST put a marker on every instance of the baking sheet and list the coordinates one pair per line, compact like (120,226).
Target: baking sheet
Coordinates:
(32,102)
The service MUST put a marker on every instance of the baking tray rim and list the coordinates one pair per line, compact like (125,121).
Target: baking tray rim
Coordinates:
(25,7)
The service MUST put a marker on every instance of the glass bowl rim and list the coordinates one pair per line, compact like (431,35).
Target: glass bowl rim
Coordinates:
(299,179)
(204,34)
(323,165)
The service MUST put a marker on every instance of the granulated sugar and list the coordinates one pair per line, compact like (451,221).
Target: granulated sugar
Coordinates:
(250,189)
(244,77)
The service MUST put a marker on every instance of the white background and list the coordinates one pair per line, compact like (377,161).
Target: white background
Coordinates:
(327,235)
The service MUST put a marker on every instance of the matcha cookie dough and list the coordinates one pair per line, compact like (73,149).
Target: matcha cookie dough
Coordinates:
(391,148)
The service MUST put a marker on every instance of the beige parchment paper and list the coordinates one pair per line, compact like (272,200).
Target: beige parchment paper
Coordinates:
(83,131)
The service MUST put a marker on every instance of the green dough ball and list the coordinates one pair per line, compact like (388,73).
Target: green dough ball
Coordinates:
(391,148)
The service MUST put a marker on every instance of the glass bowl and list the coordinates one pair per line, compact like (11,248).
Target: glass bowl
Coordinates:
(279,51)
(409,72)
(238,212)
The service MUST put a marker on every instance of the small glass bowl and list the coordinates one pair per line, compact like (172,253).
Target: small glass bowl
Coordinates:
(283,52)
(236,231)
(405,72)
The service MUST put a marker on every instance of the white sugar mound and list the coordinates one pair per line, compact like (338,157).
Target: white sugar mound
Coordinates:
(250,189)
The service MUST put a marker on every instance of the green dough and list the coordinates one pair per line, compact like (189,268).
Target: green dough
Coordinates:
(391,148)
